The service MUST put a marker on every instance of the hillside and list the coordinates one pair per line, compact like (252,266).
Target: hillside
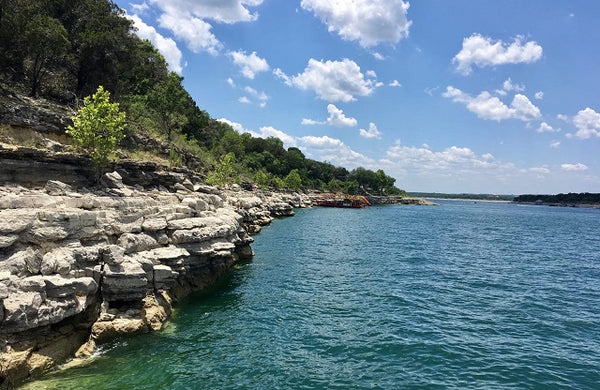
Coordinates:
(57,52)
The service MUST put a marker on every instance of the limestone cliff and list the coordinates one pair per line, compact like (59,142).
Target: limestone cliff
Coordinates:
(82,265)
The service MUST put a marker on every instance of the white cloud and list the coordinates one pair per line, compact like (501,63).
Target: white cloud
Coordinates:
(323,142)
(523,109)
(539,95)
(234,125)
(540,170)
(251,64)
(546,128)
(430,91)
(587,122)
(555,144)
(194,31)
(244,100)
(483,51)
(139,7)
(166,46)
(490,107)
(265,132)
(395,83)
(370,22)
(574,167)
(230,82)
(336,118)
(509,86)
(310,122)
(258,95)
(563,117)
(335,151)
(332,81)
(189,19)
(378,56)
(269,131)
(454,159)
(373,132)
(223,11)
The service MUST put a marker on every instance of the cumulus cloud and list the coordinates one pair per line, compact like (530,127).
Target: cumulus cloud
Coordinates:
(335,151)
(490,107)
(234,125)
(336,118)
(369,22)
(141,7)
(257,95)
(546,128)
(250,64)
(310,122)
(333,81)
(395,83)
(270,131)
(574,167)
(225,11)
(195,32)
(539,95)
(554,144)
(587,122)
(166,46)
(189,20)
(265,132)
(244,100)
(484,51)
(455,159)
(373,132)
(508,86)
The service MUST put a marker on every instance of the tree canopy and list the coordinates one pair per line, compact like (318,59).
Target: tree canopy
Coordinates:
(64,50)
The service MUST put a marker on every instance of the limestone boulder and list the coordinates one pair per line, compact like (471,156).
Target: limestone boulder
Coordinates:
(137,242)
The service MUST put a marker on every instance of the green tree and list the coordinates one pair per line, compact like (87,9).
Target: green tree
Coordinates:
(47,43)
(98,126)
(262,179)
(293,181)
(168,101)
(224,172)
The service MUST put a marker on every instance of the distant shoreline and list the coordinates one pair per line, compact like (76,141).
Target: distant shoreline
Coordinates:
(572,205)
(471,200)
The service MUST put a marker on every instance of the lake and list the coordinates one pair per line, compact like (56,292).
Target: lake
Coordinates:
(465,295)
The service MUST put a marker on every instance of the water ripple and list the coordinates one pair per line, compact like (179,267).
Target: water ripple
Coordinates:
(464,296)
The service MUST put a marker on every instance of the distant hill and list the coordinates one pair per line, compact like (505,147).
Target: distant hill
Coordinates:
(583,198)
(438,195)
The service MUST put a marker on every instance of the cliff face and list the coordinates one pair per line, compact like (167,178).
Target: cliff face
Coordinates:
(81,266)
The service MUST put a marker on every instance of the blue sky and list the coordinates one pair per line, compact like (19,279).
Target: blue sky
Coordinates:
(449,96)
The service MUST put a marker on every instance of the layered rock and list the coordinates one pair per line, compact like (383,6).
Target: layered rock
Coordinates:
(78,267)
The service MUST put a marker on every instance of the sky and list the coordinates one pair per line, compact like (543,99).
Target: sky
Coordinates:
(454,96)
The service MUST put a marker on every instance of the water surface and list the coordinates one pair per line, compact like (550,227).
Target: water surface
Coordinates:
(466,295)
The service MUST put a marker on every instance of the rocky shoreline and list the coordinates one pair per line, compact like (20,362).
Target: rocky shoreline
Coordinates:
(83,260)
(82,265)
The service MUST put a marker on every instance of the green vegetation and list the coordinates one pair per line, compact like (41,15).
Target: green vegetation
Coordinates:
(63,50)
(584,198)
(438,195)
(98,126)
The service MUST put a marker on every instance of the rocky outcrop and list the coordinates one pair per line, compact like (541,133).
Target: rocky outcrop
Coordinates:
(80,266)
(386,200)
(39,114)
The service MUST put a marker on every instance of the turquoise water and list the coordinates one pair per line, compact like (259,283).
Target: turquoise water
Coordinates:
(465,295)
